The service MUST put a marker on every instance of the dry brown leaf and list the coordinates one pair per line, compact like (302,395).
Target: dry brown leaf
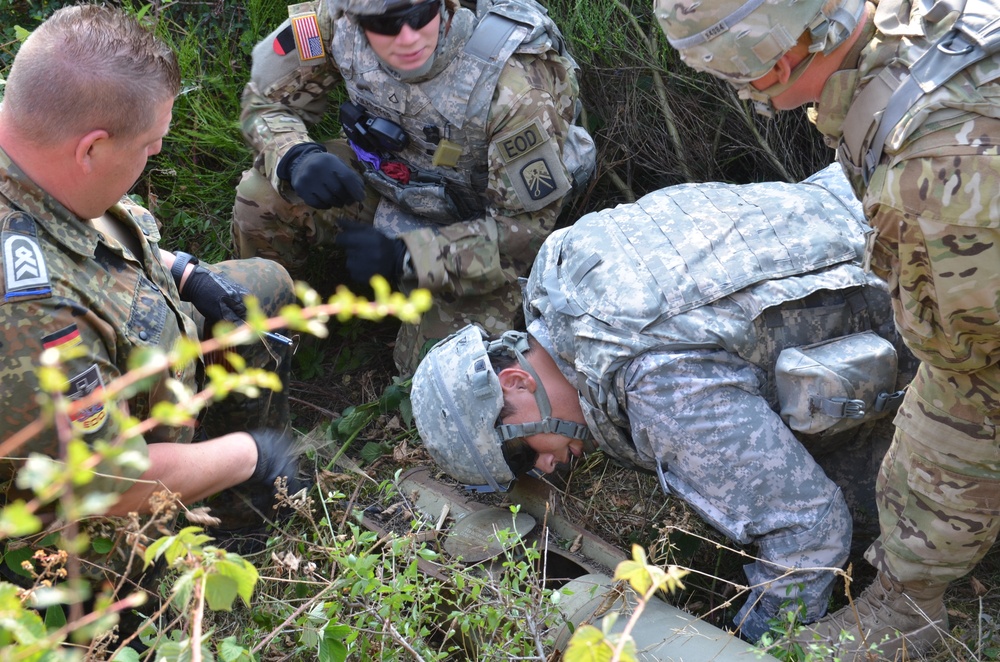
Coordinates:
(201,516)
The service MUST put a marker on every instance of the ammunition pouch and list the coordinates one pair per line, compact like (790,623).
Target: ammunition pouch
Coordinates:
(837,384)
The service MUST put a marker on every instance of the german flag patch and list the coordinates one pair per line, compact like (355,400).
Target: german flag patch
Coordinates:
(63,338)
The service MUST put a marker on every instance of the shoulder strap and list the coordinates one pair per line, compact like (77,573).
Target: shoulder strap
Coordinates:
(974,37)
(24,270)
(492,43)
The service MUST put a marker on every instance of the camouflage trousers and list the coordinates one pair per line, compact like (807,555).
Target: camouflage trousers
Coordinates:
(723,450)
(938,247)
(938,488)
(267,225)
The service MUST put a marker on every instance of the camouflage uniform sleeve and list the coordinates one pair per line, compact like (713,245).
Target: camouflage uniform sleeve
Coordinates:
(284,96)
(938,246)
(29,328)
(534,93)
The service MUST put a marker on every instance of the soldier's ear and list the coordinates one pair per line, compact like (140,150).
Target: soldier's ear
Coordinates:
(89,148)
(783,68)
(515,379)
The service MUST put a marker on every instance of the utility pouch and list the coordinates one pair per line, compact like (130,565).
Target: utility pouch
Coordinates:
(837,384)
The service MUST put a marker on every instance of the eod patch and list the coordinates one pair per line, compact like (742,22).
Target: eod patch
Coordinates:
(532,165)
(89,419)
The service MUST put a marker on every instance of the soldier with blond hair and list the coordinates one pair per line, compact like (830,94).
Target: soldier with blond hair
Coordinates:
(88,100)
(460,150)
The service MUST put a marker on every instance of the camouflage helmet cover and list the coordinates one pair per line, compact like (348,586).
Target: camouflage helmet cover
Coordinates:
(370,7)
(456,399)
(741,40)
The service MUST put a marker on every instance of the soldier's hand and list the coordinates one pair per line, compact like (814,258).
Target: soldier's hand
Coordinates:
(215,296)
(370,252)
(321,179)
(276,457)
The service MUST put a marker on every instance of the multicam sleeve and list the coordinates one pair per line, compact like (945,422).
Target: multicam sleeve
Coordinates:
(285,93)
(532,110)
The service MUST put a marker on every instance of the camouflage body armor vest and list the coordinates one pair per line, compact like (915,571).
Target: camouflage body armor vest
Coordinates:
(705,266)
(929,83)
(451,105)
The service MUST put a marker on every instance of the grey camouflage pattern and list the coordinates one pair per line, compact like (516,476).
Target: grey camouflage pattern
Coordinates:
(670,332)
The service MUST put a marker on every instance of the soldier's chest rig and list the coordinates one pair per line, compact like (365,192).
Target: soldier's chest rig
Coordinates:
(904,88)
(444,117)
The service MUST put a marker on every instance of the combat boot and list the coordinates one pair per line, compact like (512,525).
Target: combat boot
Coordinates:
(888,617)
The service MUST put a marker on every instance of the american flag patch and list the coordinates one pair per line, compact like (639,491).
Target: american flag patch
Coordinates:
(307,38)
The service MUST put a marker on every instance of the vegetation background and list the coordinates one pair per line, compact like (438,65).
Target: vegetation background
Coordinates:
(324,579)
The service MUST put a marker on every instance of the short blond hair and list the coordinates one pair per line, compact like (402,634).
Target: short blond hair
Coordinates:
(88,67)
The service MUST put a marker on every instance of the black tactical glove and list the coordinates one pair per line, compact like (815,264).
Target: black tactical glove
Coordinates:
(321,179)
(370,252)
(275,458)
(215,296)
(245,509)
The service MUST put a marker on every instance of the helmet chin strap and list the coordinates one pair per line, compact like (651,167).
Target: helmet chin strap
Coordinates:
(762,98)
(517,343)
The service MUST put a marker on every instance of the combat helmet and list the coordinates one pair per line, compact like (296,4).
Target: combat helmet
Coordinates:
(373,7)
(741,40)
(457,398)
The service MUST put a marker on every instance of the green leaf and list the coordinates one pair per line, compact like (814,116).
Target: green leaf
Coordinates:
(12,558)
(391,398)
(125,655)
(636,574)
(102,545)
(95,503)
(588,645)
(241,571)
(406,411)
(17,520)
(231,651)
(183,588)
(220,591)
(155,550)
(55,618)
(372,451)
(332,650)
(38,472)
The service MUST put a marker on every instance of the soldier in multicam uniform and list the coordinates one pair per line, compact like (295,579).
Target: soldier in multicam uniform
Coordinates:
(88,99)
(909,95)
(658,328)
(461,125)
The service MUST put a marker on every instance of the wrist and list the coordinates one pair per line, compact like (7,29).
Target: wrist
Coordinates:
(285,164)
(181,262)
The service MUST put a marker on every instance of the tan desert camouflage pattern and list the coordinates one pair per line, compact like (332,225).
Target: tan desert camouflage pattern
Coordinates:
(935,204)
(460,257)
(746,49)
(116,302)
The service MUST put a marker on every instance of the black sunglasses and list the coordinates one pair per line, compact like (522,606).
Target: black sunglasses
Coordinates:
(519,456)
(390,23)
